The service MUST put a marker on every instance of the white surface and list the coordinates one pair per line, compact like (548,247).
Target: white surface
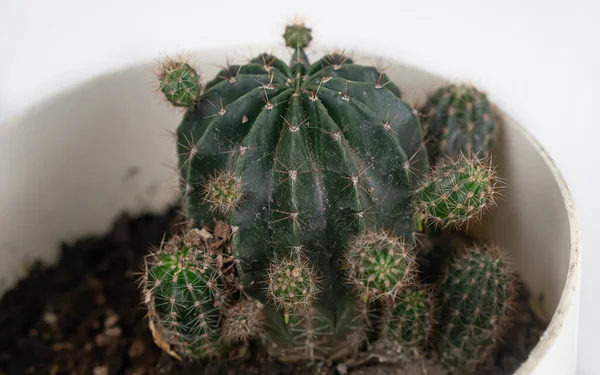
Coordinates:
(539,60)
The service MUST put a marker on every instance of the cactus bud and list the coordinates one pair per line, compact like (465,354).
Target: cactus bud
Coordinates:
(297,36)
(179,82)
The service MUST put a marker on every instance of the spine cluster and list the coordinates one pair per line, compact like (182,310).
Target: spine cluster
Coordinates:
(292,283)
(380,265)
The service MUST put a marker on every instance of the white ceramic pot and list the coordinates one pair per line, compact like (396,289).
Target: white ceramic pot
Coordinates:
(70,166)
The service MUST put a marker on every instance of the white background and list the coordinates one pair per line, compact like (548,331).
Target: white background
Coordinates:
(539,60)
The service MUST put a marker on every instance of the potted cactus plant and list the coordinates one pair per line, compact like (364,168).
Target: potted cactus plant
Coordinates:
(318,206)
(330,217)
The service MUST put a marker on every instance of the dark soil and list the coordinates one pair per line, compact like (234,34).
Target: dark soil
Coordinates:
(84,316)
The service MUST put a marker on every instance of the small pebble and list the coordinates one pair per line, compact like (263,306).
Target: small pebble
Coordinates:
(111,319)
(113,332)
(101,370)
(137,349)
(62,346)
(50,318)
(102,340)
(100,299)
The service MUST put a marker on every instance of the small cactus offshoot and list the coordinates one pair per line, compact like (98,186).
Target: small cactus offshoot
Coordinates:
(243,321)
(224,192)
(458,118)
(456,191)
(380,265)
(292,283)
(183,292)
(408,320)
(297,36)
(476,301)
(313,334)
(179,82)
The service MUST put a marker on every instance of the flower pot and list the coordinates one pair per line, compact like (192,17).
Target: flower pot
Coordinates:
(69,166)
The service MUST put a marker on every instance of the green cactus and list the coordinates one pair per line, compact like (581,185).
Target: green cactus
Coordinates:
(476,301)
(292,283)
(312,154)
(456,191)
(314,334)
(409,319)
(380,265)
(183,292)
(320,172)
(297,36)
(179,82)
(458,118)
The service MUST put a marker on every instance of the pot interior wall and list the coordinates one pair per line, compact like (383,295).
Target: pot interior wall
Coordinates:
(69,166)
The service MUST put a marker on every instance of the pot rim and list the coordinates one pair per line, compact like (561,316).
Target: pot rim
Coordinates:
(571,287)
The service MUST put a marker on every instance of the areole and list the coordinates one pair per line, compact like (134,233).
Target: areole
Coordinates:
(101,148)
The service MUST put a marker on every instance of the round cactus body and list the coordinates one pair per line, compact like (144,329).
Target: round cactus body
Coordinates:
(476,300)
(243,321)
(380,265)
(457,119)
(179,82)
(456,191)
(292,283)
(297,36)
(183,292)
(408,321)
(321,152)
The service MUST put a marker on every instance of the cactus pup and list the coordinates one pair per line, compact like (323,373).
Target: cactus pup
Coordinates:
(458,119)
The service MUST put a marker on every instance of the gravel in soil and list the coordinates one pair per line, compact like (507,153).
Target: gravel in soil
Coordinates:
(84,316)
